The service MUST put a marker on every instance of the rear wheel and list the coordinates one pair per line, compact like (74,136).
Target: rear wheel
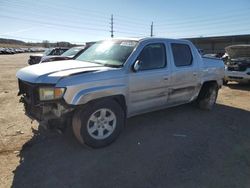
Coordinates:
(98,123)
(207,96)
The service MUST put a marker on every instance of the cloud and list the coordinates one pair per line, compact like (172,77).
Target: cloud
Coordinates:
(19,31)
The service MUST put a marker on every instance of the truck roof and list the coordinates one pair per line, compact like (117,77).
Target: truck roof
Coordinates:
(147,39)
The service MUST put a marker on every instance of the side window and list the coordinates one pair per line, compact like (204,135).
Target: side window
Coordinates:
(58,51)
(182,55)
(62,51)
(52,52)
(153,56)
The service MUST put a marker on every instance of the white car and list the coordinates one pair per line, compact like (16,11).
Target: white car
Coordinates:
(237,64)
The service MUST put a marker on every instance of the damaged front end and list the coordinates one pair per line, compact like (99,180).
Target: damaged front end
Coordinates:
(238,64)
(42,105)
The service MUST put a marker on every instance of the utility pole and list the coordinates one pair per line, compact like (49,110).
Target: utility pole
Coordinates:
(152,29)
(112,26)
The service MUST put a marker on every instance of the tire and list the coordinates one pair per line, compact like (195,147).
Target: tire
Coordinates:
(99,123)
(207,96)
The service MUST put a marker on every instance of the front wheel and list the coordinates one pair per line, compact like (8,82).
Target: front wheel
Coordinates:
(207,96)
(99,123)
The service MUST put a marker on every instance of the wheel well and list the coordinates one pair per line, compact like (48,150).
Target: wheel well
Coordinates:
(209,83)
(120,99)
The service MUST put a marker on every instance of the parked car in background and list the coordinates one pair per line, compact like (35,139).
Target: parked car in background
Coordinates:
(2,50)
(36,58)
(67,55)
(10,51)
(237,63)
(6,51)
(116,79)
(20,50)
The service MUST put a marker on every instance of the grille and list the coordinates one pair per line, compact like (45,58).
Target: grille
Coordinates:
(237,68)
(29,91)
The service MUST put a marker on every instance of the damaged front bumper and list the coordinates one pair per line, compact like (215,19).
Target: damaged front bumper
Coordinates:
(45,111)
(41,111)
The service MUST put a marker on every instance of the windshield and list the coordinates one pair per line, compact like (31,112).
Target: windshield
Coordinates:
(109,53)
(72,51)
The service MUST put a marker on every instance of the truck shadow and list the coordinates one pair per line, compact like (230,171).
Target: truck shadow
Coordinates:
(239,86)
(177,147)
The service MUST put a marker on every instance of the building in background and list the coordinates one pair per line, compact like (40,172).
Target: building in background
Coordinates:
(214,45)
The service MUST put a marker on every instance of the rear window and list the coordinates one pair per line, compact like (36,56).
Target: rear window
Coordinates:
(182,55)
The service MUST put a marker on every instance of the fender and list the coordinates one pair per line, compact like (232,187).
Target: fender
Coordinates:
(87,95)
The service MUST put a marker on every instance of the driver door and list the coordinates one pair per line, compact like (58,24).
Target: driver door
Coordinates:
(148,85)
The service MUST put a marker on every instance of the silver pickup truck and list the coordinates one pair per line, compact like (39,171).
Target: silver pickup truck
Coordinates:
(116,79)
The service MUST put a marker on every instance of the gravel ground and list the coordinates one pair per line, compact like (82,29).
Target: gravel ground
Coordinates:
(176,147)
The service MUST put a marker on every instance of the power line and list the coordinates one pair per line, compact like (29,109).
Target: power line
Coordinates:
(131,22)
(100,16)
(56,20)
(119,25)
(159,27)
(204,22)
(124,24)
(65,9)
(52,24)
(72,17)
(224,33)
(68,27)
(227,14)
(205,27)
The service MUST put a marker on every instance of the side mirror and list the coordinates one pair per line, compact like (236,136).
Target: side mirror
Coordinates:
(137,66)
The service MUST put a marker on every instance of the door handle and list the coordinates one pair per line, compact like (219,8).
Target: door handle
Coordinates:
(194,73)
(165,78)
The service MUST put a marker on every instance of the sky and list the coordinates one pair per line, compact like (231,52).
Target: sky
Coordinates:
(79,21)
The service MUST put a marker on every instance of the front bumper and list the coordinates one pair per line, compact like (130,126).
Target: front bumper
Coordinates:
(37,110)
(239,76)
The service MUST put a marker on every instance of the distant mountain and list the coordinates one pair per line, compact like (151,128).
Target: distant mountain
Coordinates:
(11,41)
(14,43)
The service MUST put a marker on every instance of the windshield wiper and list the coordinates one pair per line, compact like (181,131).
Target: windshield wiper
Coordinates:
(105,64)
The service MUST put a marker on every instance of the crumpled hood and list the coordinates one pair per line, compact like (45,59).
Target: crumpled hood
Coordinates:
(51,72)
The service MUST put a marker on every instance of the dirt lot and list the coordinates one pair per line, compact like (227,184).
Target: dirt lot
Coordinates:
(177,147)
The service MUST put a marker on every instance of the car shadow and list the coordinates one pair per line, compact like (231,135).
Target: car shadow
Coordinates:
(176,147)
(239,86)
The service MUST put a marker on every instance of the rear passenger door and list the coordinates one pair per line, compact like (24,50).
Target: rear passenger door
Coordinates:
(184,81)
